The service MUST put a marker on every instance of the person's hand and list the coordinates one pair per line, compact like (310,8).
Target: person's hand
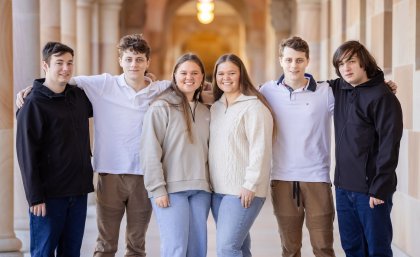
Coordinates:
(21,95)
(246,197)
(392,85)
(38,209)
(207,93)
(374,201)
(150,75)
(162,201)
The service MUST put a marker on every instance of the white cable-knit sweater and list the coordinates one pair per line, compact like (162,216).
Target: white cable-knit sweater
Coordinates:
(240,146)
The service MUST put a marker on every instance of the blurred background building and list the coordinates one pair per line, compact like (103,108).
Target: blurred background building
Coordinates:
(251,29)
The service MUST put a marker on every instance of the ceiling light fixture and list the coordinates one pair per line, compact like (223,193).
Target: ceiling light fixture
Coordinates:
(205,10)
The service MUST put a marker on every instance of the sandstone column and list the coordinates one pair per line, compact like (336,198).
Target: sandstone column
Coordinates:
(9,244)
(68,23)
(49,20)
(109,35)
(26,67)
(84,33)
(309,27)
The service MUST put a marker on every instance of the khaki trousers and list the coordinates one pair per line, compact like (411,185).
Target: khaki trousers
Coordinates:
(117,194)
(316,205)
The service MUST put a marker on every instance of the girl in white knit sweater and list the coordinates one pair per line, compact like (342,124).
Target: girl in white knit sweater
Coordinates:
(239,155)
(174,147)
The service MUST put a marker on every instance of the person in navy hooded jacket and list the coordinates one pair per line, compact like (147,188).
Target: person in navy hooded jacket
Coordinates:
(53,150)
(368,129)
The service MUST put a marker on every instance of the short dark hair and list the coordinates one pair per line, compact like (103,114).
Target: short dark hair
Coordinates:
(135,43)
(296,43)
(350,48)
(55,48)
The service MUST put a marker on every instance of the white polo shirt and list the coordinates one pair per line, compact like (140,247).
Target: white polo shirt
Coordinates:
(118,114)
(301,151)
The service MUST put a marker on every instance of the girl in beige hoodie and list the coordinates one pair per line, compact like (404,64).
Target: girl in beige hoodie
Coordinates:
(174,150)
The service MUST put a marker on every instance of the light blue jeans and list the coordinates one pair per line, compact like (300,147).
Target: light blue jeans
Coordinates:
(183,225)
(233,223)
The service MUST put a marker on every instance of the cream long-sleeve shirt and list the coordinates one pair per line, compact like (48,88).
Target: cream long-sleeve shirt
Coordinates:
(240,146)
(171,163)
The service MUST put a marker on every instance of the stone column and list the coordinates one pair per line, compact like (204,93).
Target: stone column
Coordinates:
(26,53)
(84,33)
(9,244)
(49,20)
(309,27)
(154,32)
(256,40)
(109,35)
(68,23)
(281,13)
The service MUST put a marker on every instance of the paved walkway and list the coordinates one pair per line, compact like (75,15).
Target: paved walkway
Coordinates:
(265,238)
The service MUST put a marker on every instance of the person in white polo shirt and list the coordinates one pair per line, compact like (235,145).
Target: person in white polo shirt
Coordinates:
(300,179)
(119,105)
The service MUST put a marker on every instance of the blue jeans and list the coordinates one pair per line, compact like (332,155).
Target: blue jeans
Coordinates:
(233,223)
(363,231)
(61,229)
(183,225)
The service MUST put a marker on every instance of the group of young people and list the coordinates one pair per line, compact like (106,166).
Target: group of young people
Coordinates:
(158,146)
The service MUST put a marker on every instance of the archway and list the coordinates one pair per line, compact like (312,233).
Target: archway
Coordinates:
(226,34)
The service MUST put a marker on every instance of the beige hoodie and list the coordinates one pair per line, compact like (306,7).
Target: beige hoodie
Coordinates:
(169,161)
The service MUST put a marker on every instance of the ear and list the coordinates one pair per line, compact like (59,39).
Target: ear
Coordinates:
(44,66)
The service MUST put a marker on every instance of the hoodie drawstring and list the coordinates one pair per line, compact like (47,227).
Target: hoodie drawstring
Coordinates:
(296,192)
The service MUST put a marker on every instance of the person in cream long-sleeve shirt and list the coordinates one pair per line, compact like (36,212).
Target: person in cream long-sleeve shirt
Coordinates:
(241,143)
(241,131)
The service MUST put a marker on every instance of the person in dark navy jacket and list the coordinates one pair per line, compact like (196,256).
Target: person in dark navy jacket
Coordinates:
(53,151)
(368,129)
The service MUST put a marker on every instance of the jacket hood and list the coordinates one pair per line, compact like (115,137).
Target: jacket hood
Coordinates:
(39,87)
(377,79)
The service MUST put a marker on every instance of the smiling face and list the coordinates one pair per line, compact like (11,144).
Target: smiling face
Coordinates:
(134,65)
(351,70)
(294,64)
(188,78)
(228,79)
(58,69)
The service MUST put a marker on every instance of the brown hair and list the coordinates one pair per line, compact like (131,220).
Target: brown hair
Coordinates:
(184,105)
(296,43)
(134,43)
(55,48)
(350,48)
(245,84)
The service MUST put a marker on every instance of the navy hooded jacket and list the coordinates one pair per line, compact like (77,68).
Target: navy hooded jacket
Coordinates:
(368,129)
(53,145)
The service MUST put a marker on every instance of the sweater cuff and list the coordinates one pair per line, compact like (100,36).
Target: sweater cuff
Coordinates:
(160,191)
(249,186)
